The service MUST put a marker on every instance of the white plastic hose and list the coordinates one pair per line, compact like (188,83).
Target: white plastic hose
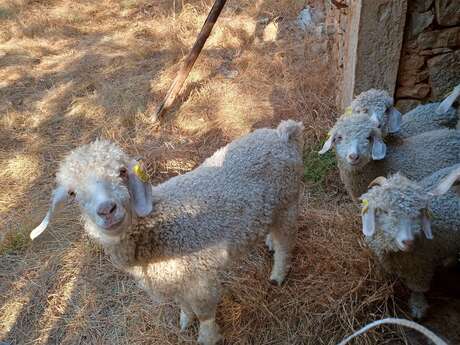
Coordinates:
(411,324)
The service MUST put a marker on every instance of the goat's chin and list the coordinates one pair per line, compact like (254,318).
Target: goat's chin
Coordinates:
(107,236)
(354,166)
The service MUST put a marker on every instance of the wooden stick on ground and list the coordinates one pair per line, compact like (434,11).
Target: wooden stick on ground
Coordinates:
(190,60)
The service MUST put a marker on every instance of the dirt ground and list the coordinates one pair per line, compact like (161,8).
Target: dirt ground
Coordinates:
(71,72)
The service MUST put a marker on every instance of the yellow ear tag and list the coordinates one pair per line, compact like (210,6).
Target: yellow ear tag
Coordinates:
(140,173)
(365,206)
(348,111)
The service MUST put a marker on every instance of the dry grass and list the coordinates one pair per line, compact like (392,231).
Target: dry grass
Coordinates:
(73,71)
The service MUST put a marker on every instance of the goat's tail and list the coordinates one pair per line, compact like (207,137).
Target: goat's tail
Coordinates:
(291,131)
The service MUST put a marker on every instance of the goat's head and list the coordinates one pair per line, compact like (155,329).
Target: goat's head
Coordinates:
(357,141)
(107,185)
(378,105)
(396,210)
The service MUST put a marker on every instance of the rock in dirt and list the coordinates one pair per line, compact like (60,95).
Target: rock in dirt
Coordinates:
(309,19)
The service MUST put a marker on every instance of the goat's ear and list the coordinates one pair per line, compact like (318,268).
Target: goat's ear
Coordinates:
(368,219)
(446,183)
(394,120)
(329,142)
(426,223)
(140,190)
(60,195)
(379,149)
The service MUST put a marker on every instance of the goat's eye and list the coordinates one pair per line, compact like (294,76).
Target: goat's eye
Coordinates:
(71,193)
(123,172)
(369,138)
(381,212)
(337,138)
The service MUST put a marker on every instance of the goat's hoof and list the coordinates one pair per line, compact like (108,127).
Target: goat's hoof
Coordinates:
(209,333)
(184,321)
(215,342)
(418,305)
(216,339)
(278,278)
(418,312)
(276,282)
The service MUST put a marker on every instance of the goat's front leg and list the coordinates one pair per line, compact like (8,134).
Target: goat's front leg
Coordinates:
(418,305)
(186,316)
(203,302)
(418,280)
(283,237)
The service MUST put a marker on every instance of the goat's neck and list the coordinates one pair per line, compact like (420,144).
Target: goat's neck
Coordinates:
(356,180)
(138,245)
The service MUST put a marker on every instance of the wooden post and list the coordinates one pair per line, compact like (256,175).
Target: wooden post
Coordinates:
(190,60)
(374,42)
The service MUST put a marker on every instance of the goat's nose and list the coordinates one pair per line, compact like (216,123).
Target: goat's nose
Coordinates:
(106,209)
(408,243)
(353,157)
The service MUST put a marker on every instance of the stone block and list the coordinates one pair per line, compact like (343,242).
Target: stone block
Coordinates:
(419,22)
(444,73)
(411,63)
(439,38)
(435,51)
(447,12)
(419,91)
(420,5)
(413,78)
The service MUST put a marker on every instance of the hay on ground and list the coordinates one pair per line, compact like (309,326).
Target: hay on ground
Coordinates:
(74,71)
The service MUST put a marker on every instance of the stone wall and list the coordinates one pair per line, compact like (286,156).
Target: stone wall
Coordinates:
(430,60)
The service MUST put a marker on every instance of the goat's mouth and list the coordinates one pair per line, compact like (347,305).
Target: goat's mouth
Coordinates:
(354,163)
(113,225)
(404,248)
